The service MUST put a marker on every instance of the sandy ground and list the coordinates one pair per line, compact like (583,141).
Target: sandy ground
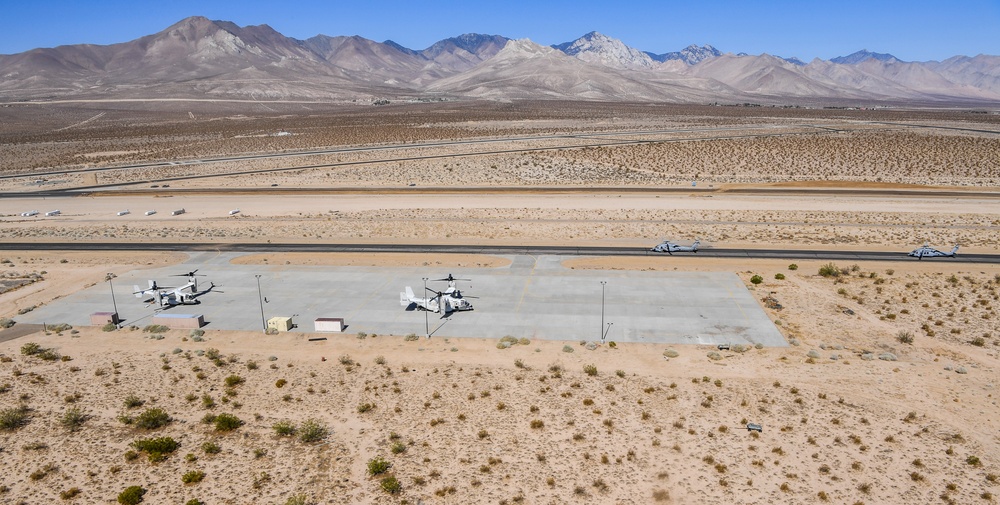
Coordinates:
(462,421)
(594,218)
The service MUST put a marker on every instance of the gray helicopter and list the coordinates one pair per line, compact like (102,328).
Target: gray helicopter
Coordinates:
(670,247)
(929,252)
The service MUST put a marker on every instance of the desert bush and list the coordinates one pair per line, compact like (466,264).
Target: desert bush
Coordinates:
(756,279)
(537,424)
(156,328)
(132,495)
(153,418)
(390,484)
(14,418)
(313,430)
(714,356)
(284,428)
(227,422)
(590,370)
(109,327)
(157,449)
(567,348)
(829,270)
(194,501)
(398,447)
(251,365)
(365,407)
(779,276)
(210,447)
(234,380)
(904,337)
(196,333)
(31,349)
(378,466)
(346,360)
(192,477)
(73,418)
(670,353)
(70,493)
(132,401)
(299,499)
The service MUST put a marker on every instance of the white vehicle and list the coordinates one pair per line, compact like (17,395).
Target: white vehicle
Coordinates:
(29,213)
(53,213)
(123,212)
(929,252)
(234,212)
(670,247)
(166,296)
(150,212)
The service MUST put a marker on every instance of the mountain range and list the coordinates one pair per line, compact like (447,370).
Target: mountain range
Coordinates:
(197,58)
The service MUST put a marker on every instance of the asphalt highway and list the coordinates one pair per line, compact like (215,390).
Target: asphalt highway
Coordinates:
(790,254)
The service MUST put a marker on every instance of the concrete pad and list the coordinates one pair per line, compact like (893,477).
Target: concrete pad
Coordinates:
(533,297)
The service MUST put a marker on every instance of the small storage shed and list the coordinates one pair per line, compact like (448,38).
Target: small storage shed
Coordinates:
(186,321)
(279,323)
(329,324)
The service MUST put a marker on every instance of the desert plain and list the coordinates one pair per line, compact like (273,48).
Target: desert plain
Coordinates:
(883,395)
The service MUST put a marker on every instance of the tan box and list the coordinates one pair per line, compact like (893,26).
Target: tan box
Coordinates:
(279,323)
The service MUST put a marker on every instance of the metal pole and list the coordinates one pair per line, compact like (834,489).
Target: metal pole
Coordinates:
(260,299)
(113,301)
(427,328)
(603,283)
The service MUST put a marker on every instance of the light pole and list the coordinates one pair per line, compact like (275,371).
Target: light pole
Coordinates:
(603,283)
(114,303)
(427,328)
(260,299)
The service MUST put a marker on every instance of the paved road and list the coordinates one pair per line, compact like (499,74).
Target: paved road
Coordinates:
(792,254)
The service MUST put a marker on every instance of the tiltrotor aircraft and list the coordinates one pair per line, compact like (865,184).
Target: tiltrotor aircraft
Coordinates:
(166,296)
(670,247)
(929,252)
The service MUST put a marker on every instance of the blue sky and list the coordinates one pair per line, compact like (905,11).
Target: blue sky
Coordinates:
(914,30)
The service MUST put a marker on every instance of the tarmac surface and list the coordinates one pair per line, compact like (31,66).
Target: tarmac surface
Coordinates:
(534,297)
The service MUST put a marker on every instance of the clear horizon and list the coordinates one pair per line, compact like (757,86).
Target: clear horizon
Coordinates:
(912,31)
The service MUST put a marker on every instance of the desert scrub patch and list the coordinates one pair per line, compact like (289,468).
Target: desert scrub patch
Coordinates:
(156,449)
(378,466)
(590,370)
(14,418)
(73,418)
(284,428)
(192,477)
(153,418)
(132,495)
(829,270)
(227,422)
(70,493)
(156,328)
(210,447)
(234,380)
(312,430)
(132,402)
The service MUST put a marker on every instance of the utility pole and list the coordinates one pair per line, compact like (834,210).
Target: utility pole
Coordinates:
(113,301)
(427,328)
(260,299)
